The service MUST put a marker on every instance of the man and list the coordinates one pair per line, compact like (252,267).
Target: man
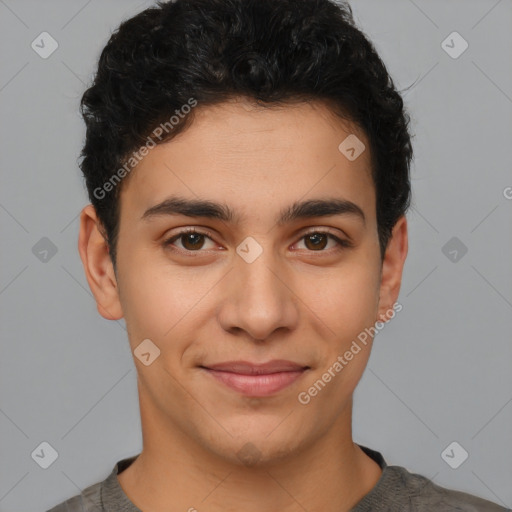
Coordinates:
(247,163)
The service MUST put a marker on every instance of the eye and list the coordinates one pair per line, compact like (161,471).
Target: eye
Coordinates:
(191,239)
(316,241)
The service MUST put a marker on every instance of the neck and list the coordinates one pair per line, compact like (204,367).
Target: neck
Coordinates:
(330,474)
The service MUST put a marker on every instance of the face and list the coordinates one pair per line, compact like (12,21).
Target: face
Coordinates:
(260,279)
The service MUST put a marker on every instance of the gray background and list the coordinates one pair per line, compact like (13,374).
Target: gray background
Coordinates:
(440,371)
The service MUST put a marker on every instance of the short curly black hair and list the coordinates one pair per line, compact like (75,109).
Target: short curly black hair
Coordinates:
(268,51)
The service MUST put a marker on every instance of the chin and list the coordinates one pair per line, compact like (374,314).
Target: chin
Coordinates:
(258,447)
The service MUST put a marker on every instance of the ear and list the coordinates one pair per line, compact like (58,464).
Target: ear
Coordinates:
(98,266)
(392,267)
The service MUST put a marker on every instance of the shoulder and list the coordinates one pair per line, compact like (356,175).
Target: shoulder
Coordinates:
(89,500)
(423,495)
(103,495)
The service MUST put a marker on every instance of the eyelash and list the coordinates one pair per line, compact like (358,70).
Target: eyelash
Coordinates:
(168,243)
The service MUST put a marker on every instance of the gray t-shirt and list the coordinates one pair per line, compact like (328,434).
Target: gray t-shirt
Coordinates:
(397,490)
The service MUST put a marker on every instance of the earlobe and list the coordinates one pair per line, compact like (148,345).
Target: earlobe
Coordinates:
(98,266)
(392,268)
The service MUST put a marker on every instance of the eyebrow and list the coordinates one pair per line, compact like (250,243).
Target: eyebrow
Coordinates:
(209,209)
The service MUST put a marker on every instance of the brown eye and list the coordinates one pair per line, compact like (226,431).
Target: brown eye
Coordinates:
(190,240)
(316,241)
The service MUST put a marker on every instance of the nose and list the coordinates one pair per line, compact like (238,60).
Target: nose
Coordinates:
(259,298)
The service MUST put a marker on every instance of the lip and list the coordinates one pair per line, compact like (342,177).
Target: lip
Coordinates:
(257,380)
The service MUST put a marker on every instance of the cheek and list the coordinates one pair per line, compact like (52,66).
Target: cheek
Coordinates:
(150,300)
(160,301)
(346,299)
(345,306)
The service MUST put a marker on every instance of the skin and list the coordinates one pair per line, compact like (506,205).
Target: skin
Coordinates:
(208,305)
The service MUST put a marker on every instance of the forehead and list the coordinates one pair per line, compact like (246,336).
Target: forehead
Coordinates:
(251,156)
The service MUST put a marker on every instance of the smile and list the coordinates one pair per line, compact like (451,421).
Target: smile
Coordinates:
(257,380)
